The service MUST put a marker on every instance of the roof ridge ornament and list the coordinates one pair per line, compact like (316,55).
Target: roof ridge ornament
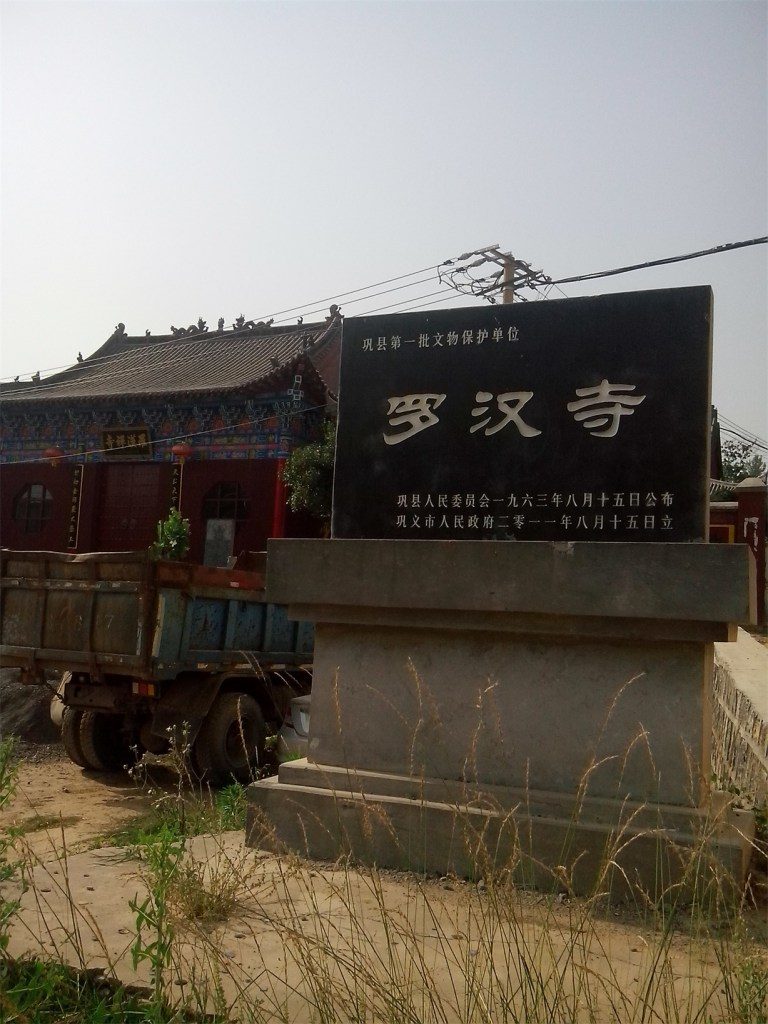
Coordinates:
(201,327)
(241,324)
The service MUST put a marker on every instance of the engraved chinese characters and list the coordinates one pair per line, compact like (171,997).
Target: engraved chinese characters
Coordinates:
(417,412)
(471,514)
(577,419)
(603,406)
(414,412)
(509,405)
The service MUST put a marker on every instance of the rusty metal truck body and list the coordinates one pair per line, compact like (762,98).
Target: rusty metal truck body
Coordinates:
(153,651)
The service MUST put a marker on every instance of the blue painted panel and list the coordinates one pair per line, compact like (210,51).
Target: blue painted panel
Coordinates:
(280,634)
(305,638)
(172,607)
(248,632)
(216,629)
(206,619)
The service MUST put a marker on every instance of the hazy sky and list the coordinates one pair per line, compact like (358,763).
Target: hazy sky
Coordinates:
(162,161)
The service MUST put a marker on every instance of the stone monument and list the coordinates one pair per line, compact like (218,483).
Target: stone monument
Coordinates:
(516,611)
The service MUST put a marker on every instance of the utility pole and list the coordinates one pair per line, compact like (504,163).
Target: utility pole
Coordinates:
(512,275)
(508,280)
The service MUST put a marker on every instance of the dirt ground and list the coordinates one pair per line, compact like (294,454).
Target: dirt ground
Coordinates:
(294,930)
(288,915)
(59,805)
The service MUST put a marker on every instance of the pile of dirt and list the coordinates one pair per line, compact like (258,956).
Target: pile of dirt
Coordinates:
(25,710)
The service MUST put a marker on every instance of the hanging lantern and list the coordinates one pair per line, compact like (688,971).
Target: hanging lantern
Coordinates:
(53,454)
(182,451)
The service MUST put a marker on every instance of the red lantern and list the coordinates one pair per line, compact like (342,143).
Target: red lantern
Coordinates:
(182,451)
(53,454)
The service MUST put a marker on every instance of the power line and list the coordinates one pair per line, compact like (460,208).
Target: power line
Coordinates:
(281,312)
(341,295)
(119,372)
(364,298)
(455,295)
(400,277)
(744,430)
(165,440)
(741,437)
(440,291)
(39,389)
(659,263)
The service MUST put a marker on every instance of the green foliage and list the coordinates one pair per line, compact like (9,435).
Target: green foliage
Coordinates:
(172,537)
(741,460)
(154,929)
(230,806)
(8,776)
(182,815)
(308,472)
(52,993)
(750,986)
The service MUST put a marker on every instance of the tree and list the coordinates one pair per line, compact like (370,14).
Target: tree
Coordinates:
(308,472)
(741,460)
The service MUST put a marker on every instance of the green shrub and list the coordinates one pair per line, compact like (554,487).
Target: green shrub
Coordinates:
(172,537)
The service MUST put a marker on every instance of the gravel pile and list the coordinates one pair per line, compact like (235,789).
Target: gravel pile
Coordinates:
(25,711)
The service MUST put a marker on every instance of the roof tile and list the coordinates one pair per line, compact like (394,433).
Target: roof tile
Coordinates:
(219,361)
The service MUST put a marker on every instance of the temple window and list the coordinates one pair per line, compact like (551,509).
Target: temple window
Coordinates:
(32,508)
(225,501)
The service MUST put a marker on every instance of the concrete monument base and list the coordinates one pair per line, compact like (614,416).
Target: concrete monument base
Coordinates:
(529,705)
(546,840)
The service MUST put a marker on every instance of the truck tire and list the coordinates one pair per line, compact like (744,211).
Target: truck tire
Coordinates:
(232,740)
(102,743)
(70,736)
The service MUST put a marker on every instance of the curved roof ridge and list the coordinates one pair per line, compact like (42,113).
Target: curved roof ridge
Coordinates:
(208,361)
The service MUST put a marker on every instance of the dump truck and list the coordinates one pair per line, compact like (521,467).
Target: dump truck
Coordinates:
(153,653)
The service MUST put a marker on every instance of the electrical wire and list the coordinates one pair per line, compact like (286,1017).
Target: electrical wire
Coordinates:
(166,440)
(400,277)
(440,291)
(423,305)
(281,312)
(418,303)
(741,437)
(40,389)
(364,298)
(445,263)
(738,426)
(660,263)
(341,295)
(101,378)
(211,430)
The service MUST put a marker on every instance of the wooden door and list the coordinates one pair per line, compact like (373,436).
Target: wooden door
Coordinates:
(133,497)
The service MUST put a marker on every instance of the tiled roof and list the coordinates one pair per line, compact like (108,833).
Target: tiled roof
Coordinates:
(217,361)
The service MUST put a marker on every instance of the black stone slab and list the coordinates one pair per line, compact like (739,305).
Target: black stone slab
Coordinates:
(603,435)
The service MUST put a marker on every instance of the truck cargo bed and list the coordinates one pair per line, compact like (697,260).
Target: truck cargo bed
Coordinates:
(123,613)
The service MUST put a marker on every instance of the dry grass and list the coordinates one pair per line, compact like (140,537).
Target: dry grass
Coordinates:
(243,935)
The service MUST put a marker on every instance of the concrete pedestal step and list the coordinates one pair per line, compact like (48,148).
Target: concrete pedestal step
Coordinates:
(548,840)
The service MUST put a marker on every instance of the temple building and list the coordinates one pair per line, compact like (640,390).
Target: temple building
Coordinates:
(92,458)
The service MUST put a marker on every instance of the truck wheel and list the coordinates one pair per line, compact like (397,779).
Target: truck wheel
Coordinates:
(231,741)
(102,742)
(70,736)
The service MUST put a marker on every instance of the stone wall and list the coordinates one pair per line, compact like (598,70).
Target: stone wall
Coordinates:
(740,717)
